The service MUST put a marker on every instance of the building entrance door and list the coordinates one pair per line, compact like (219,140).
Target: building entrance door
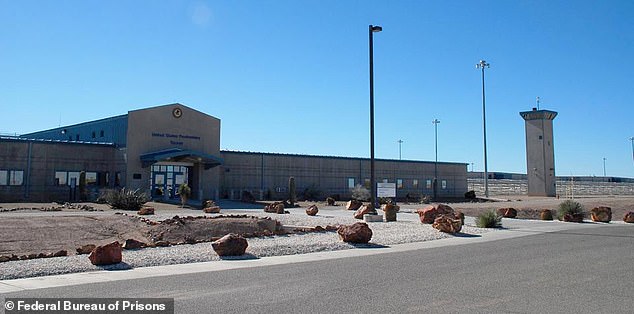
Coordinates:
(167,178)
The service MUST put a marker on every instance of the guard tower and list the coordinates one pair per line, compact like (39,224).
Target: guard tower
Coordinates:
(540,154)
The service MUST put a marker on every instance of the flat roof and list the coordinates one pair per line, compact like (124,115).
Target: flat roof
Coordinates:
(23,139)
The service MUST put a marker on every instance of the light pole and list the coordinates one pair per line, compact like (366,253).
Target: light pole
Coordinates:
(372,29)
(632,140)
(399,148)
(483,64)
(604,167)
(435,122)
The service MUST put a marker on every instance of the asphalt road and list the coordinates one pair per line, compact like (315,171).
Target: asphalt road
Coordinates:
(574,271)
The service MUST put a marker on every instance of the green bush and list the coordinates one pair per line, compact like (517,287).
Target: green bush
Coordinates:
(569,207)
(489,219)
(125,199)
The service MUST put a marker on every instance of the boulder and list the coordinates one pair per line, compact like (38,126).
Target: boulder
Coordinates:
(312,210)
(390,211)
(132,244)
(629,217)
(275,207)
(601,214)
(230,245)
(507,212)
(5,258)
(212,209)
(106,254)
(390,206)
(146,211)
(85,249)
(447,223)
(429,213)
(365,209)
(573,218)
(443,209)
(546,214)
(330,201)
(353,205)
(359,232)
(460,215)
(279,208)
(470,195)
(60,253)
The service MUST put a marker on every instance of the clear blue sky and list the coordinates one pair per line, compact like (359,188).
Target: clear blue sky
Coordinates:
(292,76)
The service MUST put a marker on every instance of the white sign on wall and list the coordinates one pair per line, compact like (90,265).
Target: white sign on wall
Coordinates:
(386,189)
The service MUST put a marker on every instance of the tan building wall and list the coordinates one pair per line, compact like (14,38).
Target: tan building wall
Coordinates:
(266,174)
(172,126)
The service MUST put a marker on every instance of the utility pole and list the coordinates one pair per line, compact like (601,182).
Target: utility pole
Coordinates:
(483,64)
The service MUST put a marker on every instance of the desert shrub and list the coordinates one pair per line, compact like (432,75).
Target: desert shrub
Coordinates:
(311,193)
(292,193)
(569,207)
(360,193)
(489,219)
(126,199)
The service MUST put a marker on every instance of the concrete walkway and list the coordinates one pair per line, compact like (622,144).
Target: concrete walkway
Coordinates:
(512,228)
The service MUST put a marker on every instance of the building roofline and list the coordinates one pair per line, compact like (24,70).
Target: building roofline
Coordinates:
(339,157)
(76,125)
(35,140)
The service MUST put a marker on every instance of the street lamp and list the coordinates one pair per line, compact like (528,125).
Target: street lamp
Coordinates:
(604,167)
(399,148)
(435,122)
(371,30)
(483,64)
(632,139)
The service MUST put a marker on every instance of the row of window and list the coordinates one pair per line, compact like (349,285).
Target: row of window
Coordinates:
(94,135)
(92,178)
(399,183)
(11,177)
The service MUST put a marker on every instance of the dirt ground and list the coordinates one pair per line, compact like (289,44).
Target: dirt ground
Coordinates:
(31,230)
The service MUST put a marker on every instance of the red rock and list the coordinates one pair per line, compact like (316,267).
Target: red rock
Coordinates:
(460,215)
(330,201)
(359,232)
(447,224)
(601,214)
(573,218)
(428,214)
(365,209)
(629,217)
(507,212)
(230,245)
(106,254)
(353,205)
(279,208)
(85,249)
(59,253)
(212,209)
(390,206)
(546,214)
(5,258)
(312,210)
(132,244)
(146,211)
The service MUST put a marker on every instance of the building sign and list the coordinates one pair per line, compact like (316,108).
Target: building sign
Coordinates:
(386,189)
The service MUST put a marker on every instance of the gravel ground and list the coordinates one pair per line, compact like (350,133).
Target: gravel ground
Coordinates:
(407,229)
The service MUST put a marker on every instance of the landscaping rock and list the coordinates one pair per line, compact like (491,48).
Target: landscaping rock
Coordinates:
(390,211)
(230,245)
(365,209)
(146,211)
(460,215)
(470,195)
(359,232)
(132,244)
(330,201)
(5,258)
(507,212)
(279,208)
(106,254)
(312,210)
(353,205)
(573,218)
(427,214)
(390,206)
(447,224)
(601,214)
(60,253)
(85,249)
(629,217)
(276,207)
(546,214)
(212,209)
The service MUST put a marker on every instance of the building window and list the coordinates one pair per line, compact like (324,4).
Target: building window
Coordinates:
(3,177)
(399,183)
(428,183)
(444,184)
(91,178)
(117,179)
(16,177)
(101,133)
(351,183)
(136,176)
(73,177)
(60,177)
(415,183)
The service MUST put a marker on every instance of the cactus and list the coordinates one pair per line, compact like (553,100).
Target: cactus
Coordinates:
(292,195)
(82,186)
